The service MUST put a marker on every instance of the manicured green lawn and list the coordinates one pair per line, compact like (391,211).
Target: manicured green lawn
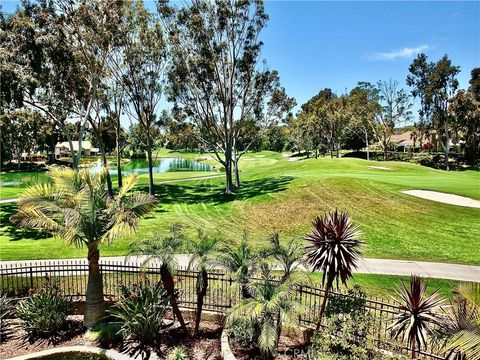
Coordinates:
(285,196)
(384,286)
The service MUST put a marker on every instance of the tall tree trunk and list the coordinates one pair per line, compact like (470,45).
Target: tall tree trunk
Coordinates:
(366,143)
(202,284)
(324,302)
(151,188)
(105,164)
(109,178)
(94,303)
(119,155)
(337,148)
(385,152)
(414,350)
(228,172)
(169,286)
(237,172)
(446,149)
(19,160)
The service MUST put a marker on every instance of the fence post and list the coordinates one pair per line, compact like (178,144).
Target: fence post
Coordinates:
(31,277)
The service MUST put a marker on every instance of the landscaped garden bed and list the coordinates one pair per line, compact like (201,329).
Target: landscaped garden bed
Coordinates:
(204,346)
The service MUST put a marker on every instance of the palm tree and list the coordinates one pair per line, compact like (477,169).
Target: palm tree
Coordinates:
(78,209)
(334,250)
(240,260)
(203,254)
(289,256)
(162,249)
(418,314)
(462,323)
(268,298)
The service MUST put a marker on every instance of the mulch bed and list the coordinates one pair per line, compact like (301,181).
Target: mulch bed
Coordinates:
(289,348)
(206,346)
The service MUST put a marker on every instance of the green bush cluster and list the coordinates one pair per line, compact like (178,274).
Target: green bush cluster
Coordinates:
(241,332)
(6,312)
(178,353)
(140,312)
(346,334)
(44,314)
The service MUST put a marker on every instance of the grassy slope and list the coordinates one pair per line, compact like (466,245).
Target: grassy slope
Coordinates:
(286,196)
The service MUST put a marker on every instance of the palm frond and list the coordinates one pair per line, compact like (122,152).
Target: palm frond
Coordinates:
(267,341)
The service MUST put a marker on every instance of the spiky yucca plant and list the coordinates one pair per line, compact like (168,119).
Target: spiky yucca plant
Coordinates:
(267,298)
(462,323)
(418,314)
(333,249)
(77,208)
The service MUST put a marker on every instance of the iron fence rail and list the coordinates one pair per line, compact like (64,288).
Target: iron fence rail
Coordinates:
(18,280)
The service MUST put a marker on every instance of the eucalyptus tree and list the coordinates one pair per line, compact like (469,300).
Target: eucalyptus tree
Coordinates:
(216,76)
(394,108)
(273,107)
(465,108)
(325,119)
(60,49)
(363,107)
(333,249)
(19,130)
(113,104)
(77,208)
(435,84)
(138,62)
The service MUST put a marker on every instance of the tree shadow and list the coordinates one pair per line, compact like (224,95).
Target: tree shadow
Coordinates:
(15,232)
(214,193)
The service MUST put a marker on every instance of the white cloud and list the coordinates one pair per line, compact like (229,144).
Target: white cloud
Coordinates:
(405,53)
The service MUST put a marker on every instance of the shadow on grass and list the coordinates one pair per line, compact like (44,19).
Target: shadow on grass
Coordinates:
(13,231)
(214,193)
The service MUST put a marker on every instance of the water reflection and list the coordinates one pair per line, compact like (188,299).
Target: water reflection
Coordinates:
(137,166)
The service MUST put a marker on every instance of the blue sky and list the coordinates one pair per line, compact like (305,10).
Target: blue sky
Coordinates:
(317,44)
(335,44)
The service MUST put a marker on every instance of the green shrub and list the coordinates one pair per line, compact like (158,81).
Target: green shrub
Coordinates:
(178,353)
(44,314)
(106,334)
(346,334)
(140,312)
(240,332)
(6,312)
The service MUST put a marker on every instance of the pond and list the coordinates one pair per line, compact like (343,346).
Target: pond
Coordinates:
(163,165)
(10,181)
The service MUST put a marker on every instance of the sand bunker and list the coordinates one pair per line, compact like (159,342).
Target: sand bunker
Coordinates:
(444,198)
(380,167)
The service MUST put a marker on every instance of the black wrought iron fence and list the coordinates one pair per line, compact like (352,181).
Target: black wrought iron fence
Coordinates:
(18,280)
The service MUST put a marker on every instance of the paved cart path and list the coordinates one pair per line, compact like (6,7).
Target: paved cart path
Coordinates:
(366,266)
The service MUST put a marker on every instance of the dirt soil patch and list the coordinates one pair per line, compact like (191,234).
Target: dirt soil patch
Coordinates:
(288,348)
